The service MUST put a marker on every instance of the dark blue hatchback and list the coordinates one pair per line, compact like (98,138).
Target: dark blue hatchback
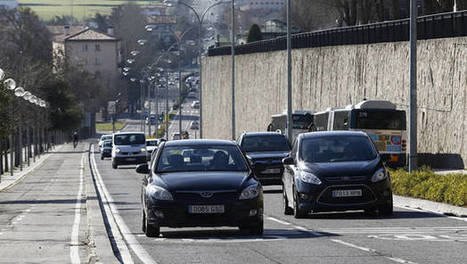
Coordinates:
(335,171)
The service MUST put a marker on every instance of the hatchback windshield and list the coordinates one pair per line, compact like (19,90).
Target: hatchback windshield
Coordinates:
(152,143)
(337,149)
(129,139)
(104,138)
(201,158)
(265,143)
(108,144)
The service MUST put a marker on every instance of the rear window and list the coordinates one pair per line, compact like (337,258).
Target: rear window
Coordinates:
(129,139)
(337,149)
(265,143)
(379,119)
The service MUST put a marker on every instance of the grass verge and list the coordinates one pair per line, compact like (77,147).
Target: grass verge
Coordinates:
(425,184)
(108,126)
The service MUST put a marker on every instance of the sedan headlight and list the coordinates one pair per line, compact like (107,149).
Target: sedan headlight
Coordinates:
(117,150)
(159,193)
(309,178)
(250,192)
(143,150)
(379,175)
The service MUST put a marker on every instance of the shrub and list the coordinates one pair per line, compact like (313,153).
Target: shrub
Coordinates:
(425,184)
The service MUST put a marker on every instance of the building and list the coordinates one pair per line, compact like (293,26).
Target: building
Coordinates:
(94,52)
(270,5)
(8,4)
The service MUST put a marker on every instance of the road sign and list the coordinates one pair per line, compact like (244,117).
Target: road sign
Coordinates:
(111,107)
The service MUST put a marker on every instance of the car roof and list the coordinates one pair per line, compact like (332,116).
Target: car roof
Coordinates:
(151,139)
(200,142)
(332,134)
(248,134)
(107,135)
(123,133)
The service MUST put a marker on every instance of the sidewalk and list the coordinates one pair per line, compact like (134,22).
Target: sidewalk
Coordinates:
(7,181)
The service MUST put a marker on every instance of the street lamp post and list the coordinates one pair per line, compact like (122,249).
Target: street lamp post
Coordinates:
(289,75)
(233,69)
(413,88)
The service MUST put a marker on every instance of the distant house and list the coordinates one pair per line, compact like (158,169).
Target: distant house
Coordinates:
(94,52)
(8,4)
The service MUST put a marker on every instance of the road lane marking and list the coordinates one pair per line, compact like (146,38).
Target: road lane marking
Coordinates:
(277,220)
(74,249)
(301,228)
(370,250)
(118,226)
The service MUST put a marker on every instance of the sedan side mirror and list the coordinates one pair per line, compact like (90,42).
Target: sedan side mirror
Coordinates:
(142,168)
(288,161)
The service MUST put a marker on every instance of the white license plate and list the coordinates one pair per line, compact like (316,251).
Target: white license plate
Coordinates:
(271,171)
(206,209)
(346,193)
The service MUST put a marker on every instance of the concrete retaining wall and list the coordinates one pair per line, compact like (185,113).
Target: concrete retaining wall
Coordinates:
(340,75)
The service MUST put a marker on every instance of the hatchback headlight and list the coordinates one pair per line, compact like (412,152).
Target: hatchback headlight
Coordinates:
(379,175)
(117,150)
(250,192)
(309,178)
(159,193)
(143,150)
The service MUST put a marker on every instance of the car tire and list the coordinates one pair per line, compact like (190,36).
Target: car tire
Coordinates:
(257,229)
(102,157)
(114,165)
(287,209)
(387,209)
(370,211)
(151,230)
(143,221)
(298,212)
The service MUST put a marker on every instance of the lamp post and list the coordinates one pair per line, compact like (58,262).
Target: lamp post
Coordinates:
(289,75)
(200,18)
(233,69)
(413,88)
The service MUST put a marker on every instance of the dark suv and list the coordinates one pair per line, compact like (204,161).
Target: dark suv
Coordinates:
(266,151)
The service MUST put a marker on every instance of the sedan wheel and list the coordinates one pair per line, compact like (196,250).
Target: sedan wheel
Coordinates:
(143,222)
(151,230)
(114,165)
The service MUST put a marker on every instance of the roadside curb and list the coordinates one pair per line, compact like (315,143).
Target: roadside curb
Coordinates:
(100,247)
(436,207)
(19,176)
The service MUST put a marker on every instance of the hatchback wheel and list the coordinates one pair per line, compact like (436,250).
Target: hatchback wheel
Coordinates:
(143,222)
(287,209)
(387,209)
(114,165)
(298,212)
(151,230)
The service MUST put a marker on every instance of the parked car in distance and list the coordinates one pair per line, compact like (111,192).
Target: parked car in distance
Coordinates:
(151,145)
(175,136)
(106,149)
(266,151)
(152,119)
(128,148)
(200,183)
(102,139)
(191,95)
(194,125)
(335,171)
(195,105)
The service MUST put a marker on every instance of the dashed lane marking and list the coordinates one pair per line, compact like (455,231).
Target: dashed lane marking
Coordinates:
(74,249)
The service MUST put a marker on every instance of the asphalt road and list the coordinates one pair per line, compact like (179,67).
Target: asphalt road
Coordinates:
(352,237)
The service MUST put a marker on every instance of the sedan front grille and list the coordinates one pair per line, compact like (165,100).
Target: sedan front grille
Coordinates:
(217,196)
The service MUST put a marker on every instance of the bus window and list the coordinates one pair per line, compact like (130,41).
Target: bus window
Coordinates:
(341,120)
(302,121)
(321,121)
(379,119)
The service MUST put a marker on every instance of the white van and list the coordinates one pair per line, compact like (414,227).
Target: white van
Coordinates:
(128,148)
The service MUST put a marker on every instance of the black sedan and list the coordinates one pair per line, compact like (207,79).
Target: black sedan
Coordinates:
(200,183)
(266,151)
(335,171)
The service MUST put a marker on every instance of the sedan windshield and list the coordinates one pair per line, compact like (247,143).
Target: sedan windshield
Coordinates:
(129,139)
(265,143)
(104,138)
(201,158)
(337,149)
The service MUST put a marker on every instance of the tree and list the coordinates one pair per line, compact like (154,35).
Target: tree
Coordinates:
(254,34)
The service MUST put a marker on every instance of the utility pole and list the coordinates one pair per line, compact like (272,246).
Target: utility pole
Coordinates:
(413,88)
(233,69)
(289,75)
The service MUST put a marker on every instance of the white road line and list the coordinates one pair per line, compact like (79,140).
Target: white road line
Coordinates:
(277,220)
(435,213)
(118,226)
(370,250)
(74,249)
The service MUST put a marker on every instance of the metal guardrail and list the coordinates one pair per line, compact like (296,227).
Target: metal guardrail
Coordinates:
(443,25)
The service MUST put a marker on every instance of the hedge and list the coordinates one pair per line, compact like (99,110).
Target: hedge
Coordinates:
(425,184)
